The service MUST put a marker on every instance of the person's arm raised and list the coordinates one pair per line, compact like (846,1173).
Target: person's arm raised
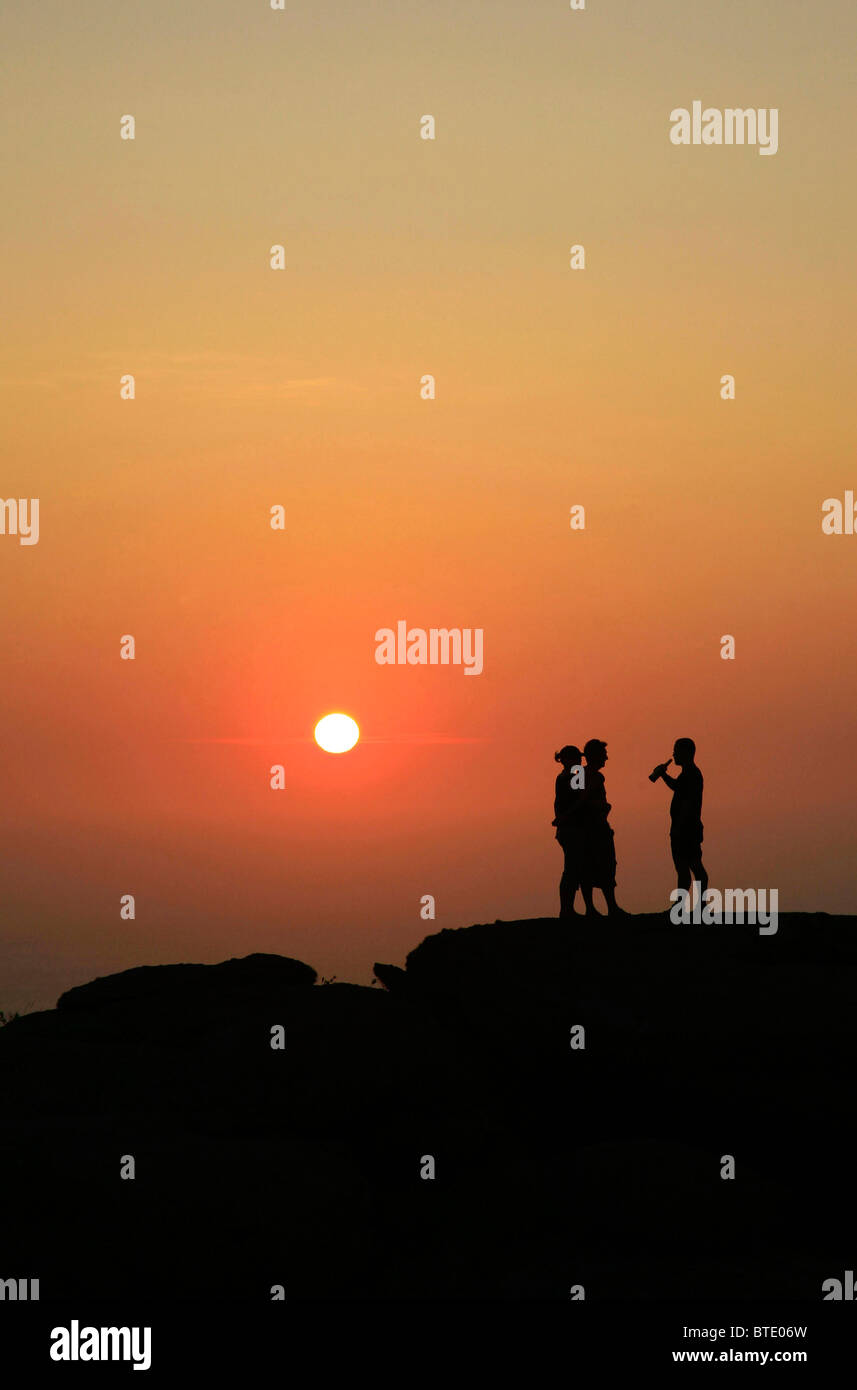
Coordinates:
(661,771)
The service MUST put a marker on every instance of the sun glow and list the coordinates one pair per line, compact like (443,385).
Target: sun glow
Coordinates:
(336,733)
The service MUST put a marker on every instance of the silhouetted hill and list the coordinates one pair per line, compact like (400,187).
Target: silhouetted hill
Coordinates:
(554,1166)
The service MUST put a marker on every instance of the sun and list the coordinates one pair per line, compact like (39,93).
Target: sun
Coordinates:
(336,733)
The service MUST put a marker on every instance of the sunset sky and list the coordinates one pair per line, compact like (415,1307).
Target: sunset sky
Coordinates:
(301,388)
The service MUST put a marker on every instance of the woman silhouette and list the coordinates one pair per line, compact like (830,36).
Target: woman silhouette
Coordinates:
(566,809)
(598,854)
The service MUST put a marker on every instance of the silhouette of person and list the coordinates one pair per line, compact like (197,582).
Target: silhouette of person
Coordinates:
(566,810)
(685,814)
(598,864)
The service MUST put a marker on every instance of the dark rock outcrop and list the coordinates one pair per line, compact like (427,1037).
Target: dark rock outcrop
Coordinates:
(555,1164)
(258,976)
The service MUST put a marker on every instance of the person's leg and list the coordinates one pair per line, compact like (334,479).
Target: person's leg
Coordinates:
(587,870)
(682,865)
(609,888)
(699,873)
(613,908)
(586,891)
(567,884)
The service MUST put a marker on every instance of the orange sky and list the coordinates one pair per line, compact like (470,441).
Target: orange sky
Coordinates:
(301,387)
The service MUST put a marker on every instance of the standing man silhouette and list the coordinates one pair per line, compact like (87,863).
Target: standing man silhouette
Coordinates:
(685,814)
